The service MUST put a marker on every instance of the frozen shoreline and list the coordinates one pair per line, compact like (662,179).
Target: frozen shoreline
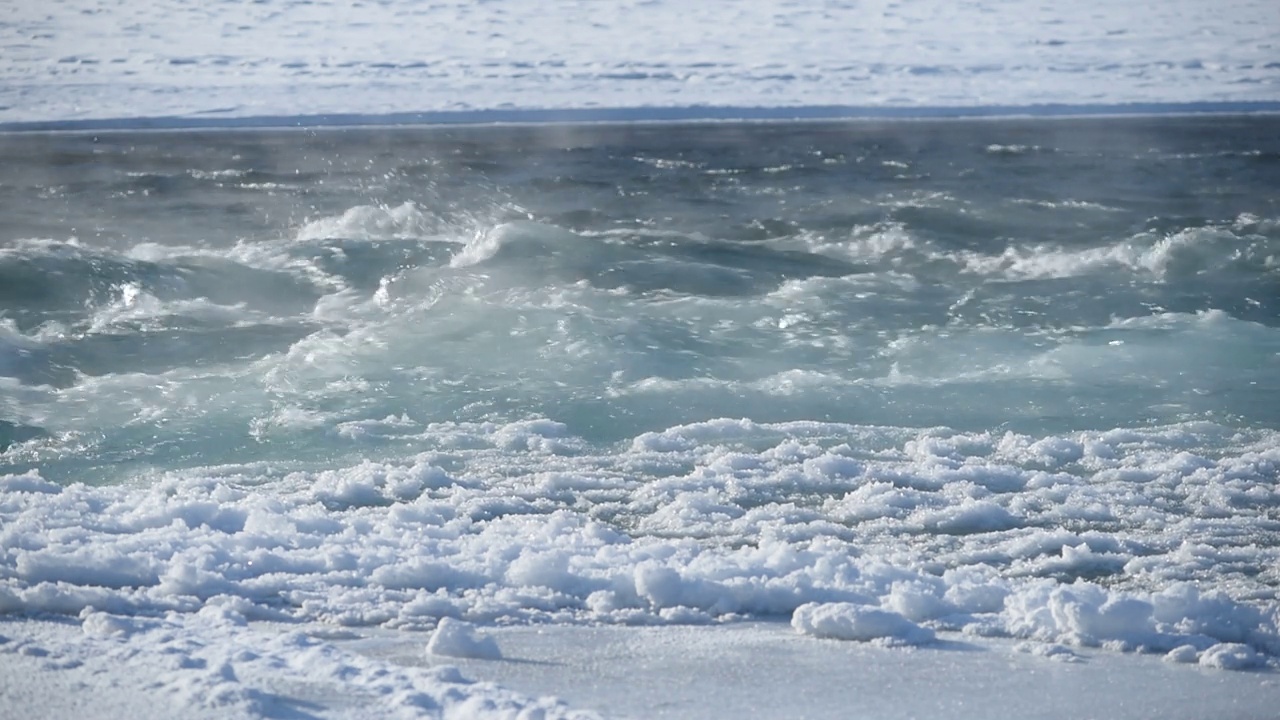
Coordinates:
(622,115)
(88,59)
(766,669)
(703,672)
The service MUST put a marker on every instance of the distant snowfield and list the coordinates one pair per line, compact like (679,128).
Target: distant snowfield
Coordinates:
(98,60)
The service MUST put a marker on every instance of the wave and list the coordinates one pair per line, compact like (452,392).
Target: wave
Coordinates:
(370,223)
(633,261)
(1246,246)
(1179,256)
(14,433)
(94,277)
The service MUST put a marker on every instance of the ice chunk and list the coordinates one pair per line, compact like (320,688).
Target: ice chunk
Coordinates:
(455,638)
(848,621)
(1232,656)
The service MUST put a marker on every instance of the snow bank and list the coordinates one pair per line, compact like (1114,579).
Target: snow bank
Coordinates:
(919,531)
(283,58)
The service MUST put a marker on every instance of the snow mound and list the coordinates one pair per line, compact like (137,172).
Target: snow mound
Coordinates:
(455,638)
(1232,656)
(848,621)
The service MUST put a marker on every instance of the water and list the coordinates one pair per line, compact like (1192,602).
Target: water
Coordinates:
(1044,349)
(179,299)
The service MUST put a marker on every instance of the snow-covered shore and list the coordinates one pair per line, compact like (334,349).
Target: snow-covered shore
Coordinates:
(203,62)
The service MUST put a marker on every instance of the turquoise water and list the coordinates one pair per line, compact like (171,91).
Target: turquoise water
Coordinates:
(184,299)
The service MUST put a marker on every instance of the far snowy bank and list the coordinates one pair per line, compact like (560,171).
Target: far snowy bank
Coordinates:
(639,115)
(90,59)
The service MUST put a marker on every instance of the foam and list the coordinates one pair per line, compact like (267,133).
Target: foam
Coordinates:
(520,238)
(1166,258)
(373,222)
(136,309)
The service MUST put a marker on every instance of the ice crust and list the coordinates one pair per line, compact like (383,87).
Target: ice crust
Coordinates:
(212,664)
(289,58)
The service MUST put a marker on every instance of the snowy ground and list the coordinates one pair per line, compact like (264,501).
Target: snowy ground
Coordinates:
(694,673)
(98,59)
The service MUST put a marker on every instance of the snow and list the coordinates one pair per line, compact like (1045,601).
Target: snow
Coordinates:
(395,542)
(455,638)
(457,59)
(213,586)
(1232,656)
(214,665)
(848,621)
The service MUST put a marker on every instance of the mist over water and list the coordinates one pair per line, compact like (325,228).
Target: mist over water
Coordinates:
(658,372)
(188,299)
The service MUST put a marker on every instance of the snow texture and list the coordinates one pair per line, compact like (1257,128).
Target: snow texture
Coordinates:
(212,664)
(404,545)
(848,621)
(455,638)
